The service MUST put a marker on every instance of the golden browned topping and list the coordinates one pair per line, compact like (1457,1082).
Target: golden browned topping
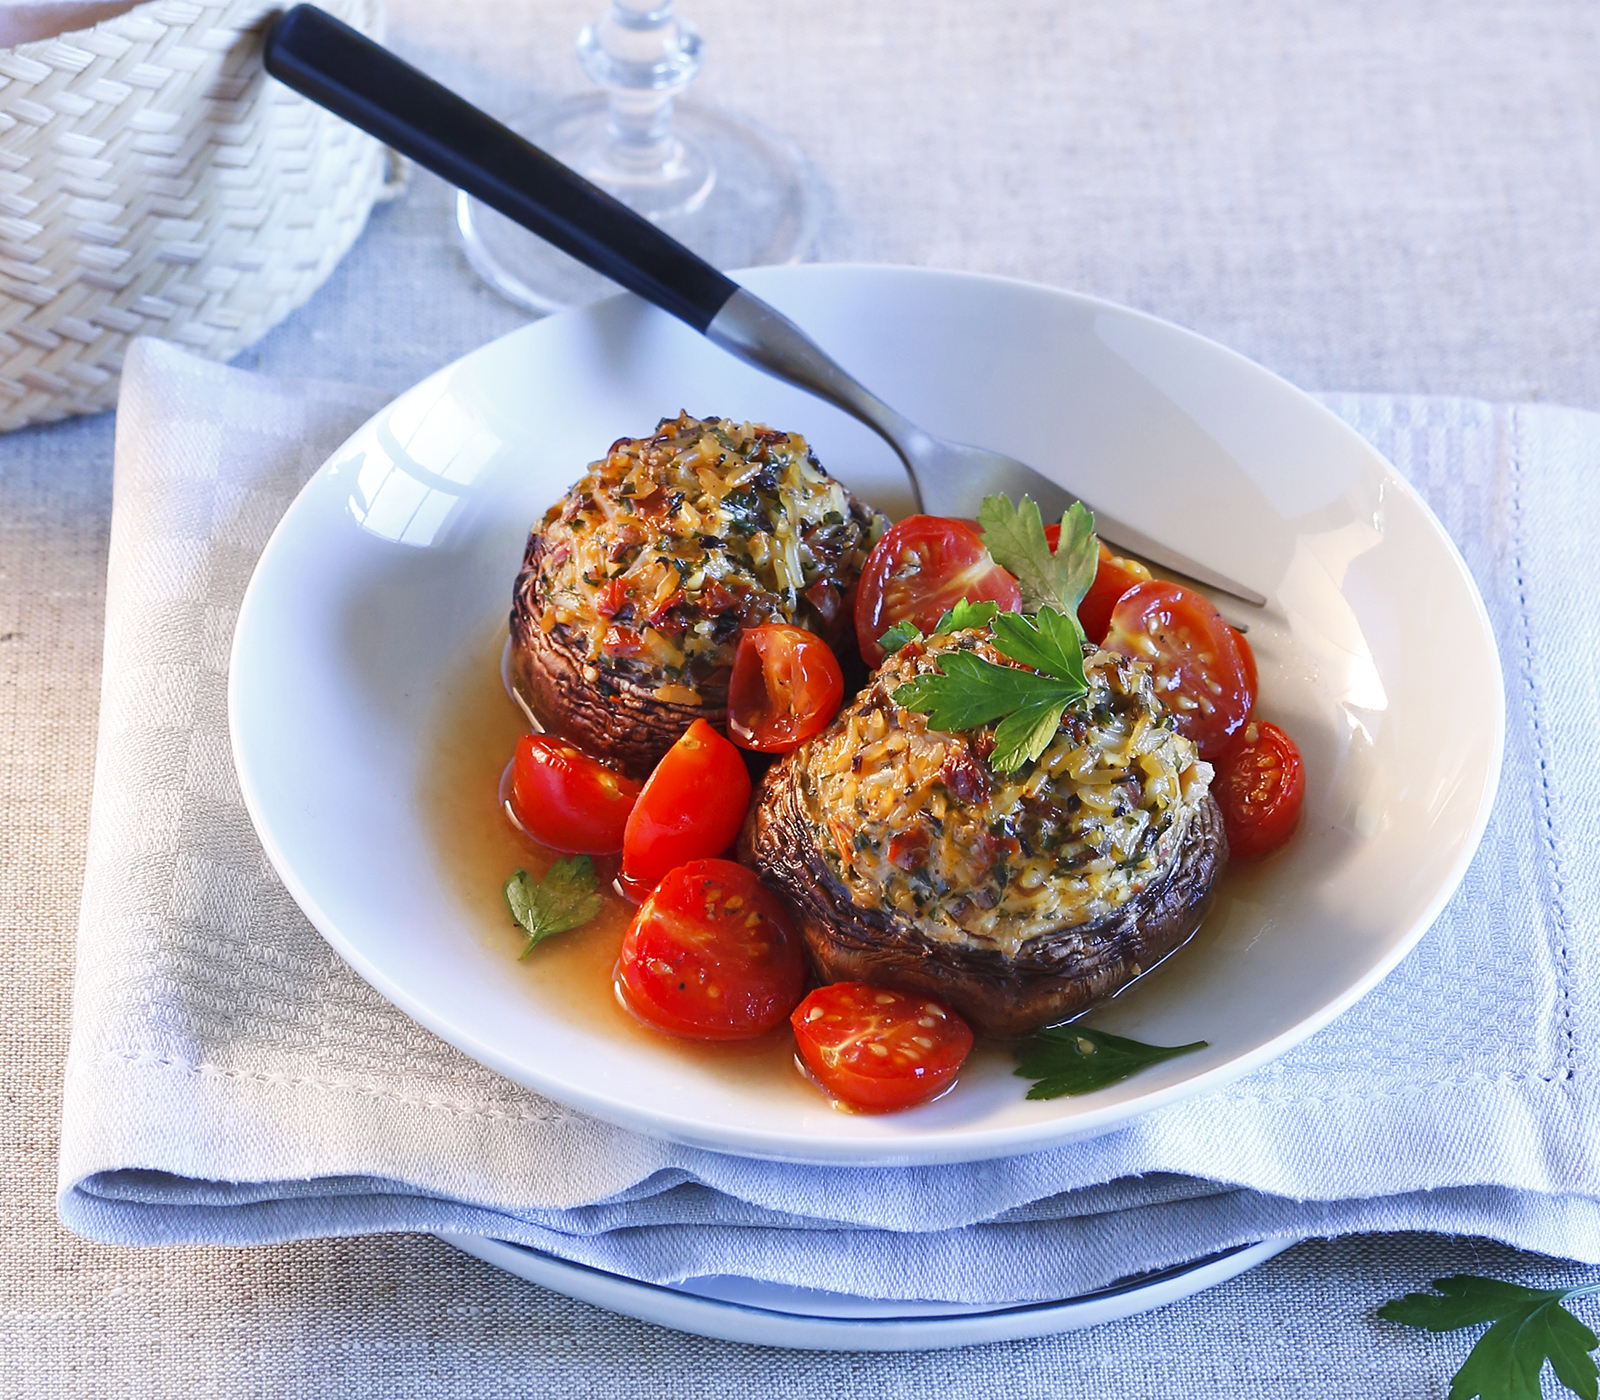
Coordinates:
(915,821)
(665,549)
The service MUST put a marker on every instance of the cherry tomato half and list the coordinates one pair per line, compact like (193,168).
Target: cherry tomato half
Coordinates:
(1201,673)
(713,954)
(1112,579)
(786,686)
(877,1049)
(921,568)
(692,806)
(567,800)
(1260,785)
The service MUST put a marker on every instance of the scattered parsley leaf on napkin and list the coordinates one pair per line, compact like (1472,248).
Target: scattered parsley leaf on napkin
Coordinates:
(564,899)
(1078,1060)
(1528,1327)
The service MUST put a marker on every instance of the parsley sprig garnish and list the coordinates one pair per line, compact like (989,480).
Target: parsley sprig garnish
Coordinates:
(1024,706)
(1528,1326)
(1078,1059)
(564,899)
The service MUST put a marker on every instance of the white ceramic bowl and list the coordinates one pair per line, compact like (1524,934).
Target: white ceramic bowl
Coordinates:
(772,1315)
(400,554)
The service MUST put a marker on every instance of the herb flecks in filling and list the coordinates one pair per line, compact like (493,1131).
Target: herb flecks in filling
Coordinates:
(917,822)
(657,558)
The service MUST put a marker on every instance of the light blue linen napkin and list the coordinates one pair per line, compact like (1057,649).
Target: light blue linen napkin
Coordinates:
(230,1080)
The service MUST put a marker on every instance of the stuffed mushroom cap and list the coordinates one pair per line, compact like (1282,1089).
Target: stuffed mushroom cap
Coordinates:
(635,586)
(1018,898)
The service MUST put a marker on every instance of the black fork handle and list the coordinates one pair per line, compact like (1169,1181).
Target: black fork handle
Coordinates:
(341,69)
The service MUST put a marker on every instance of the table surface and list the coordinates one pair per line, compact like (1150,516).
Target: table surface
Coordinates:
(1395,196)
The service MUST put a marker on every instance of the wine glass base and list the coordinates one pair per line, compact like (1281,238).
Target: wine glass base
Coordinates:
(737,194)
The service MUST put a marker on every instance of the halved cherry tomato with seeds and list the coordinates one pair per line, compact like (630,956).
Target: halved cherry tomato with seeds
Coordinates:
(878,1049)
(1260,786)
(786,686)
(566,800)
(1252,677)
(1201,672)
(691,807)
(921,568)
(711,954)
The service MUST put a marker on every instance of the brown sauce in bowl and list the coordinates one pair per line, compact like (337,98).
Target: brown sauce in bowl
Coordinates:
(569,975)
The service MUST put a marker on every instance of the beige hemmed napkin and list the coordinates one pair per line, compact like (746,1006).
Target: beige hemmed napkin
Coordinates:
(231,1080)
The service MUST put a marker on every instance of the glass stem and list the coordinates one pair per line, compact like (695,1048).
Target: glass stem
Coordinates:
(643,55)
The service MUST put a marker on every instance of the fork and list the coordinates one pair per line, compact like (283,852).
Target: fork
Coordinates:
(340,69)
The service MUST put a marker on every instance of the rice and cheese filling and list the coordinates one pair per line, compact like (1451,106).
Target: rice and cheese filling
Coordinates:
(664,550)
(915,822)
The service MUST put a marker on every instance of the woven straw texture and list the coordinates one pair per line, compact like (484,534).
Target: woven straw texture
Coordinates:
(154,181)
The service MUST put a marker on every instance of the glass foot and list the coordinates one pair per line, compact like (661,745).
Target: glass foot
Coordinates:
(739,195)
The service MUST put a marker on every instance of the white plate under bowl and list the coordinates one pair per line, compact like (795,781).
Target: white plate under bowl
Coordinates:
(744,1310)
(403,548)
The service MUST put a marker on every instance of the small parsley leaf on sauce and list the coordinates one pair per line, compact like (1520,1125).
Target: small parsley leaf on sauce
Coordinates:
(1015,538)
(1078,1059)
(566,898)
(1528,1326)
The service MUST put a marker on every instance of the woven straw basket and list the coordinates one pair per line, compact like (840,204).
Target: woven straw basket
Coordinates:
(154,181)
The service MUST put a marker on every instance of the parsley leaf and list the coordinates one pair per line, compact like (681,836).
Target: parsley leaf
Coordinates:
(564,899)
(901,634)
(1025,734)
(1015,538)
(1079,1059)
(1077,554)
(1528,1327)
(964,614)
(968,691)
(1052,642)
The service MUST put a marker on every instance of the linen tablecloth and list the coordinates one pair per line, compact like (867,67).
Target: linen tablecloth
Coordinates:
(1390,198)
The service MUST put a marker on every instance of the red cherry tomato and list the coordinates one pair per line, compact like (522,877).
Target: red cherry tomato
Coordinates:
(1201,673)
(1260,785)
(918,571)
(878,1049)
(1114,577)
(567,800)
(692,806)
(786,686)
(1251,676)
(711,953)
